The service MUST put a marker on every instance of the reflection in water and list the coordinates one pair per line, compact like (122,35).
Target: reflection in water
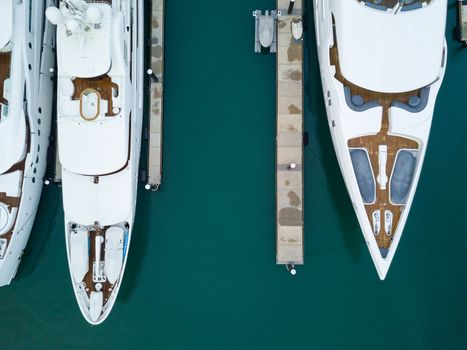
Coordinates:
(323,150)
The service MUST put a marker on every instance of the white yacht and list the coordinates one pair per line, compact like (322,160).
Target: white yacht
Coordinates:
(26,87)
(382,63)
(99,116)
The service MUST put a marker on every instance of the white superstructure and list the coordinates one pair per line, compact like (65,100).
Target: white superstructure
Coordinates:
(99,116)
(382,63)
(26,87)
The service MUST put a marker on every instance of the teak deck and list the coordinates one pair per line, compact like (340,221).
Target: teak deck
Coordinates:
(5,65)
(107,287)
(103,85)
(371,143)
(13,202)
(289,139)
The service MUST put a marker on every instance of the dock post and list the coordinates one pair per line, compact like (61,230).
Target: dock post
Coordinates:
(153,77)
(289,139)
(291,5)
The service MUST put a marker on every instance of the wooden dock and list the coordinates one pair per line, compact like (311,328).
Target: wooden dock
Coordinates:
(156,96)
(462,13)
(289,139)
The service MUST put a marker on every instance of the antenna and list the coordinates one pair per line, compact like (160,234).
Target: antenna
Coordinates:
(75,15)
(398,7)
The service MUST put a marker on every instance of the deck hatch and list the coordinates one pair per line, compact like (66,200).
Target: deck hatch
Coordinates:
(364,174)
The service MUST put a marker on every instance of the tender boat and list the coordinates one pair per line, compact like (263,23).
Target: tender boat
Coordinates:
(382,63)
(99,116)
(265,30)
(26,85)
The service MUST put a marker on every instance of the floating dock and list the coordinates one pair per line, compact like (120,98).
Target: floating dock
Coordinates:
(289,138)
(462,4)
(156,74)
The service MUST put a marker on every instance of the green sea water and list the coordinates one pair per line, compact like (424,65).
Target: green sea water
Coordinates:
(201,272)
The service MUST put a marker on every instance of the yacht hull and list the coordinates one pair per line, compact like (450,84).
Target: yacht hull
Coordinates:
(347,126)
(99,135)
(32,56)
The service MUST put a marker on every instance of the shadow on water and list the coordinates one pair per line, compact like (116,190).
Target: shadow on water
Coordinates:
(138,247)
(317,122)
(140,234)
(47,220)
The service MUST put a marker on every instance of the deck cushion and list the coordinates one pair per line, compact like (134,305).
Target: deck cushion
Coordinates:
(402,176)
(364,174)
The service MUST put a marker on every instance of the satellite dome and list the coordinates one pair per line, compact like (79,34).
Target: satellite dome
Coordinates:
(54,15)
(93,14)
(73,25)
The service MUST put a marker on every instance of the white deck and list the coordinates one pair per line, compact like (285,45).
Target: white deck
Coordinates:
(6,19)
(156,95)
(385,58)
(90,53)
(289,182)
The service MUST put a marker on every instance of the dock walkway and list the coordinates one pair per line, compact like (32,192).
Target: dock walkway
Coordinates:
(156,95)
(289,139)
(463,19)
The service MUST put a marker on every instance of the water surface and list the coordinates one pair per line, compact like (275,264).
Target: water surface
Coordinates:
(201,271)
